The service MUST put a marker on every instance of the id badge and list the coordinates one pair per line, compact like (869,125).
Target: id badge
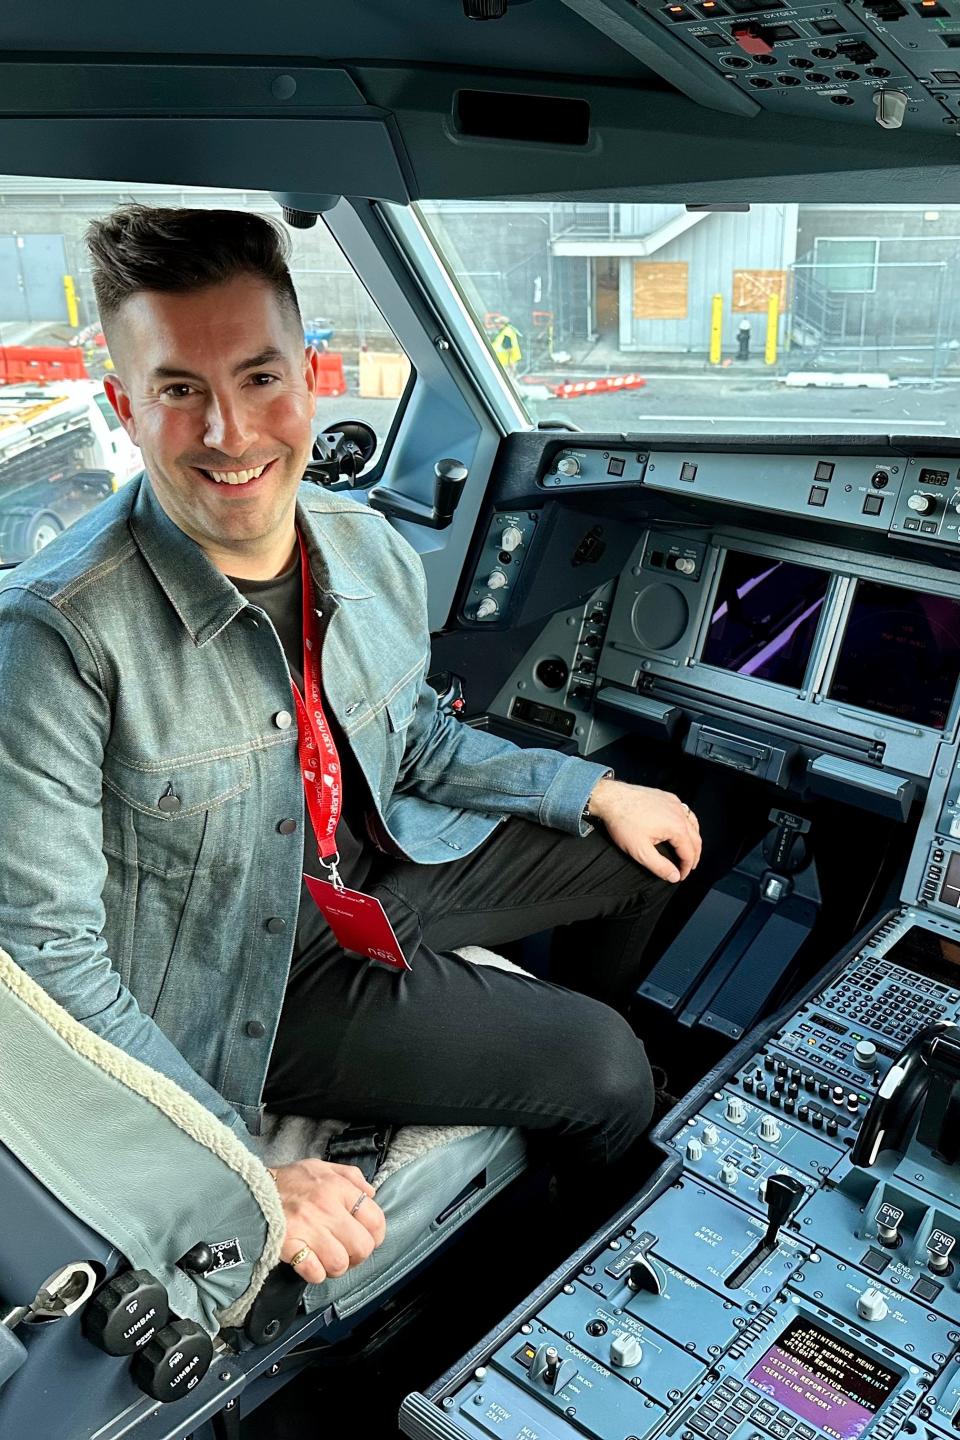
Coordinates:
(359,922)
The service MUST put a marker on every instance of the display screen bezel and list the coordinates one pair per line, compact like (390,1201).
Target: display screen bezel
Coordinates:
(883,717)
(778,687)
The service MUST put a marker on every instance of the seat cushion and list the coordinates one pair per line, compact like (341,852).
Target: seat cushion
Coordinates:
(433,1178)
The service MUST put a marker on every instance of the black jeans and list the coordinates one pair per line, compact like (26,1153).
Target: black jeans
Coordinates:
(454,1043)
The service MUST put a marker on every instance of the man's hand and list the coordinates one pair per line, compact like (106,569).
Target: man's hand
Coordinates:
(320,1203)
(638,819)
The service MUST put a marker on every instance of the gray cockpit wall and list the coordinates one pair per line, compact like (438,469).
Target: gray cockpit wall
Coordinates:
(406,101)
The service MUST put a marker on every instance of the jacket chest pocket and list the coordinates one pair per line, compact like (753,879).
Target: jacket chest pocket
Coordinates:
(176,819)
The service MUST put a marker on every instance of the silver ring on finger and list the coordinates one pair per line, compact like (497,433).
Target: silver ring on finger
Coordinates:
(358,1202)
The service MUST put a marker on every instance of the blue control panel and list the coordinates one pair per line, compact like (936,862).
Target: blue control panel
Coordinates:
(791,1272)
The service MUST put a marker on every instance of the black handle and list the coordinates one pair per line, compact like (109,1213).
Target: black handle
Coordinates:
(276,1306)
(451,478)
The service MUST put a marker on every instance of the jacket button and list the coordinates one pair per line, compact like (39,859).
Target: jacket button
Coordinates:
(169,804)
(283,719)
(255,1029)
(287,827)
(275,925)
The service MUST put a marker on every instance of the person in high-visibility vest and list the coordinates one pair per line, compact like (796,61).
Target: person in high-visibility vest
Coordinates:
(506,346)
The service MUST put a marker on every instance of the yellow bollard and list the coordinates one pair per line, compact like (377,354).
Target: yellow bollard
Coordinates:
(773,323)
(716,329)
(70,291)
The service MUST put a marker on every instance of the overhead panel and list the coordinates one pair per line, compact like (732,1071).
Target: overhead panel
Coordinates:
(893,63)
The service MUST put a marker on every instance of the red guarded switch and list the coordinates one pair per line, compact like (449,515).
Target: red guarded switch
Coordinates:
(752,40)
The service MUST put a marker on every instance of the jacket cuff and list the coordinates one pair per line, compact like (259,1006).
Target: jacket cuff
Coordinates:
(567,794)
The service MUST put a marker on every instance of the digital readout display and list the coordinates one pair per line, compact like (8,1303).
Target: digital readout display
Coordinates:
(925,953)
(823,1379)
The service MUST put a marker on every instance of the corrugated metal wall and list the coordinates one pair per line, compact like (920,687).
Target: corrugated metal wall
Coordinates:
(763,239)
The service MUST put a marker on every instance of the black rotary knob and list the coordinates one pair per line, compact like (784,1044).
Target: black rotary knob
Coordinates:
(174,1361)
(126,1312)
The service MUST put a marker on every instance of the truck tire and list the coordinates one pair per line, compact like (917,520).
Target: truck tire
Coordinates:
(41,529)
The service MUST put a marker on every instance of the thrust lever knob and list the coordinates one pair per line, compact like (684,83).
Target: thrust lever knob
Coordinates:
(626,1352)
(872,1306)
(126,1313)
(175,1361)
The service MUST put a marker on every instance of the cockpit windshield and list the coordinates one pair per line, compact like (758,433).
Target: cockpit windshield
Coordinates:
(676,319)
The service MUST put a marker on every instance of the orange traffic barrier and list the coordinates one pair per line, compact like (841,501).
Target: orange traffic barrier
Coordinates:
(571,388)
(39,363)
(330,377)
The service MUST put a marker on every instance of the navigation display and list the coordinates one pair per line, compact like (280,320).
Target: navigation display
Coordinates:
(900,654)
(825,1380)
(764,618)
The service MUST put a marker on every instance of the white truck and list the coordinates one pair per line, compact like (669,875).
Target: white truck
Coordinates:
(62,451)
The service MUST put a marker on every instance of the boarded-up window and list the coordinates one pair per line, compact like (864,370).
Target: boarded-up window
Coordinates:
(752,290)
(660,289)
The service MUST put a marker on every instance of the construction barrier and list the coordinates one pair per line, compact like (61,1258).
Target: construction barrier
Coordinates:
(383,374)
(569,389)
(330,377)
(36,364)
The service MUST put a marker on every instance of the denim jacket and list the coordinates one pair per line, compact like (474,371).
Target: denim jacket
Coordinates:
(149,752)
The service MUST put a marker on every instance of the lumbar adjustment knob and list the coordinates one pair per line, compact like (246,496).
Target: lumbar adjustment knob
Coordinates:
(126,1313)
(174,1361)
(872,1306)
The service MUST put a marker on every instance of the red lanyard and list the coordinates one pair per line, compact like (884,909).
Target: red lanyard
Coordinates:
(319,761)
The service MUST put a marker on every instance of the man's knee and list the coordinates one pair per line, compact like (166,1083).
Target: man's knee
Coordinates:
(620,1083)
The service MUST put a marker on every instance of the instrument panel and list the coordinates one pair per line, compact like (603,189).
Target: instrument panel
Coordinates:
(783,1276)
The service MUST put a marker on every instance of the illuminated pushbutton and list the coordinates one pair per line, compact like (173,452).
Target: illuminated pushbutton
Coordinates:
(752,39)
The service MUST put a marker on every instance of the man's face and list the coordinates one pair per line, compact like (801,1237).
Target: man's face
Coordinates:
(212,385)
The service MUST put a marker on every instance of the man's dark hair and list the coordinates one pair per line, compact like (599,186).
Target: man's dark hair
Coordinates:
(152,247)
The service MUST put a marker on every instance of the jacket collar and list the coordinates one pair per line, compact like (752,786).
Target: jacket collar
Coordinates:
(202,596)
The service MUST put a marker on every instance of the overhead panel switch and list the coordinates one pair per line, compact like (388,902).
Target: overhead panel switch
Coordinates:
(891,107)
(752,39)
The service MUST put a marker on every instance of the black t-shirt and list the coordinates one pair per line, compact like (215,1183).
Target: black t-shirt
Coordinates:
(282,599)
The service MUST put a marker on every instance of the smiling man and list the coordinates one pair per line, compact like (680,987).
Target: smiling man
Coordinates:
(218,741)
